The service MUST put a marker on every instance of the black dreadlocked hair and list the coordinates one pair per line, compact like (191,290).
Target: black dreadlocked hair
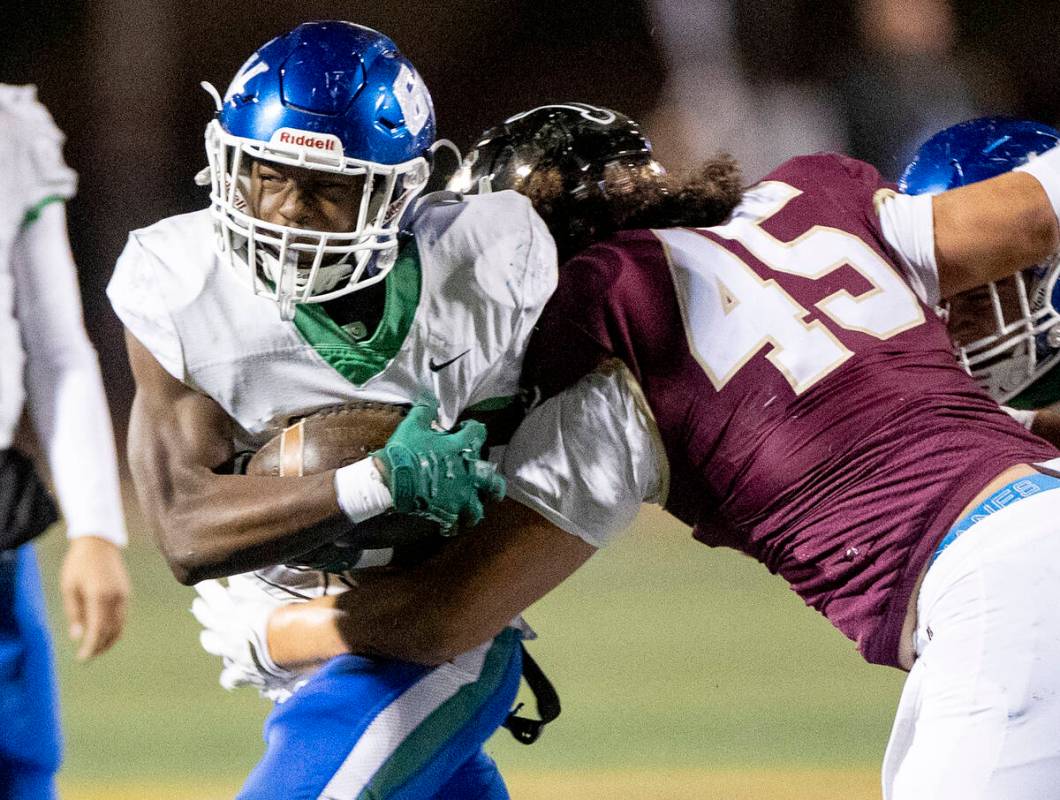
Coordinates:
(632,197)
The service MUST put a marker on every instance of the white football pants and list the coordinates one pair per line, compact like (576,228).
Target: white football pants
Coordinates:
(979,716)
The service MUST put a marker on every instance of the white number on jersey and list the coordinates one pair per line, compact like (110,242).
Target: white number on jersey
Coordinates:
(730,313)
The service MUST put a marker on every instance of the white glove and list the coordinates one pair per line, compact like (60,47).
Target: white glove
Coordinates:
(234,627)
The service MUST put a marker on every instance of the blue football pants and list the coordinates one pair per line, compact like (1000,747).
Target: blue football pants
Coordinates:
(374,729)
(30,743)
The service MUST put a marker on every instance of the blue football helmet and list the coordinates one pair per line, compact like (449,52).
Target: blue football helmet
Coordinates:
(1012,351)
(330,96)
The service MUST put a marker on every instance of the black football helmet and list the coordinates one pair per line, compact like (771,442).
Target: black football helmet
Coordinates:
(577,139)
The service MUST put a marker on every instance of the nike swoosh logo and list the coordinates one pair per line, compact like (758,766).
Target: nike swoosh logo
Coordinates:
(435,366)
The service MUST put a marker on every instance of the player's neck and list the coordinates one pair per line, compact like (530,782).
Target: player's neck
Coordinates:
(360,312)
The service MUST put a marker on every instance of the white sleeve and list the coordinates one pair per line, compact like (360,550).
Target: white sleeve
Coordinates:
(137,293)
(909,228)
(63,381)
(41,173)
(1046,170)
(587,458)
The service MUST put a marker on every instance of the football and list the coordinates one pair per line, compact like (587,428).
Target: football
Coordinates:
(332,438)
(328,439)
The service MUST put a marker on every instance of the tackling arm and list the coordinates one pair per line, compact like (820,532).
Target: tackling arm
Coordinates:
(993,228)
(209,525)
(462,596)
(586,458)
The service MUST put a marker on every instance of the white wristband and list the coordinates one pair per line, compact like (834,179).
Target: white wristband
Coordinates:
(1024,417)
(361,491)
(1046,170)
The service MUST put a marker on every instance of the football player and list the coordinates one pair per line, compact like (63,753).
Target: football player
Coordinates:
(1007,333)
(48,364)
(777,377)
(297,290)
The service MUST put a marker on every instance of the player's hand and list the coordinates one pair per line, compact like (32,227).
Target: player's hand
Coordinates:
(234,621)
(436,473)
(95,589)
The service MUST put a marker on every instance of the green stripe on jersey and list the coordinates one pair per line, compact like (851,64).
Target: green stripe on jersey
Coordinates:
(359,361)
(34,213)
(423,745)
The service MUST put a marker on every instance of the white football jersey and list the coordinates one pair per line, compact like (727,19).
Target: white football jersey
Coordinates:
(34,174)
(461,302)
(46,359)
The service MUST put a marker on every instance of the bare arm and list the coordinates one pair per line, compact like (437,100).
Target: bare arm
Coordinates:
(987,230)
(209,525)
(461,597)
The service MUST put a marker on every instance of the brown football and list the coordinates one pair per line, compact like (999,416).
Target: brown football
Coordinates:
(328,439)
(332,438)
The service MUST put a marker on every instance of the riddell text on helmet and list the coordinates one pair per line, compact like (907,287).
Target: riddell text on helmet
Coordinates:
(314,141)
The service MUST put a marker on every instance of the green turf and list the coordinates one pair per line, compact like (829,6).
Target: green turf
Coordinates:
(666,654)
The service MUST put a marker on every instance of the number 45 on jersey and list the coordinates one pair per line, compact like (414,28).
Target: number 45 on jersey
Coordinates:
(731,313)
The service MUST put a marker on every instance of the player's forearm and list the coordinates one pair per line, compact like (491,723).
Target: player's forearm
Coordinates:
(210,526)
(206,524)
(404,617)
(991,229)
(301,635)
(459,598)
(383,624)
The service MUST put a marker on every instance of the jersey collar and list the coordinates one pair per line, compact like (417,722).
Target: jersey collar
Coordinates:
(358,361)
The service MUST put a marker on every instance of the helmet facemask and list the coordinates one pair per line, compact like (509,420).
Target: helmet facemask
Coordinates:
(296,265)
(1007,333)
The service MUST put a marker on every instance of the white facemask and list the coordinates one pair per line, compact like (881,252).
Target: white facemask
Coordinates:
(295,265)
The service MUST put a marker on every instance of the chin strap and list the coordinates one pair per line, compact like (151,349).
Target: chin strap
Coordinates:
(524,729)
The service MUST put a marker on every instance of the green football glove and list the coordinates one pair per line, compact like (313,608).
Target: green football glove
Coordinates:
(438,474)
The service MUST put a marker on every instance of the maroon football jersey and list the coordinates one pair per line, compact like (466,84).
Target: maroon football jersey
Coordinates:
(813,413)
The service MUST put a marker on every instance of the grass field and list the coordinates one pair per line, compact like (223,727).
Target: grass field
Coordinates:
(794,784)
(685,672)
